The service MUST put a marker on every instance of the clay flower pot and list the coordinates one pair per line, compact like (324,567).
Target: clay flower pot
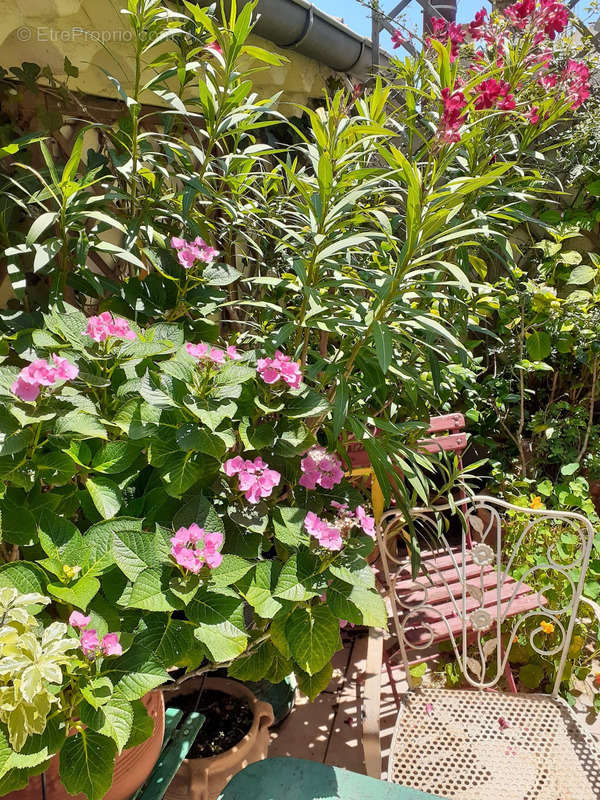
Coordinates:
(132,767)
(204,778)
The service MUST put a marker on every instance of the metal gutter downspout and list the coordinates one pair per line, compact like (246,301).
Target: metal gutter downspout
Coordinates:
(299,25)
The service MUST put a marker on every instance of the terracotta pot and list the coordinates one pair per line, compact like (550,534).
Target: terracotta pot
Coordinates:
(204,778)
(132,767)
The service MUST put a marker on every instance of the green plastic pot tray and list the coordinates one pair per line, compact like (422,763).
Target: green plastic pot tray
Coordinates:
(298,779)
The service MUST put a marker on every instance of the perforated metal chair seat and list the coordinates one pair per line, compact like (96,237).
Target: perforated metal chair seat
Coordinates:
(487,745)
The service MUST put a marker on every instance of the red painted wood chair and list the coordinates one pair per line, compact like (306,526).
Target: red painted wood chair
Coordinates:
(479,744)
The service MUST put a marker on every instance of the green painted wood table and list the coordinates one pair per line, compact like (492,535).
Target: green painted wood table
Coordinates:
(298,779)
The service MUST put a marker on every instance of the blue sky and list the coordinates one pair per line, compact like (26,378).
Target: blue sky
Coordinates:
(357,17)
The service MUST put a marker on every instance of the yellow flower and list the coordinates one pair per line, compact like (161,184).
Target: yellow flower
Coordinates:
(536,502)
(547,627)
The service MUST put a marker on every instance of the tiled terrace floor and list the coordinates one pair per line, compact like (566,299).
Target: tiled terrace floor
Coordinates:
(328,731)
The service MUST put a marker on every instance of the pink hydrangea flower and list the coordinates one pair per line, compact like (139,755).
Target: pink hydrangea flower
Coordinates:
(25,391)
(64,370)
(40,373)
(366,523)
(320,467)
(193,547)
(280,367)
(110,645)
(89,642)
(205,352)
(79,620)
(101,327)
(190,252)
(328,537)
(255,478)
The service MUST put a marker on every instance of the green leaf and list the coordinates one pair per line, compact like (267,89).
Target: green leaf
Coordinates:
(39,226)
(314,637)
(18,523)
(531,675)
(356,604)
(133,551)
(296,578)
(340,406)
(24,576)
(113,719)
(137,672)
(106,496)
(86,764)
(115,457)
(200,511)
(258,590)
(220,619)
(97,692)
(220,275)
(539,345)
(82,423)
(253,666)
(288,524)
(181,471)
(191,437)
(78,594)
(138,419)
(582,275)
(151,590)
(61,539)
(230,570)
(142,727)
(384,347)
(313,685)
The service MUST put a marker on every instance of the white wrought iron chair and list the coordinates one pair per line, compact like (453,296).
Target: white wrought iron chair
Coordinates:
(481,743)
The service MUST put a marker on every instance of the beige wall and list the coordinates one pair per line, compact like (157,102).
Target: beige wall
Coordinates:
(45,31)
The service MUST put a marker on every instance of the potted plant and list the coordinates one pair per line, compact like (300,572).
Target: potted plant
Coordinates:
(171,508)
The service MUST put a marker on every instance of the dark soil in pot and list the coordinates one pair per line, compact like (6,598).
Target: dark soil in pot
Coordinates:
(228,720)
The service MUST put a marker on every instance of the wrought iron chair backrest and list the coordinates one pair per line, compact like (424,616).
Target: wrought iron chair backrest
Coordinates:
(484,611)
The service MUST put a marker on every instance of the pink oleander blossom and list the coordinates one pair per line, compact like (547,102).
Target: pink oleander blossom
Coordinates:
(110,645)
(520,13)
(554,17)
(320,467)
(280,367)
(79,620)
(188,253)
(575,78)
(101,327)
(89,642)
(533,115)
(493,93)
(255,478)
(477,25)
(452,118)
(328,537)
(215,47)
(193,548)
(398,39)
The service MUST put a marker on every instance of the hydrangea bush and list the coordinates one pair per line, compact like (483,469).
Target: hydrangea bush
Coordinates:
(144,473)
